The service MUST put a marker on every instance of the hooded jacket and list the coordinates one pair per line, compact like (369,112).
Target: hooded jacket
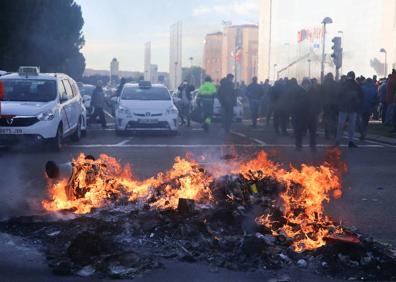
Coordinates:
(350,97)
(226,93)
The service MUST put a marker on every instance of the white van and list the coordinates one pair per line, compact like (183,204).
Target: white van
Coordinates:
(40,106)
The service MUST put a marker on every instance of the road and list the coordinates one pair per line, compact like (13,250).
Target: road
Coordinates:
(368,201)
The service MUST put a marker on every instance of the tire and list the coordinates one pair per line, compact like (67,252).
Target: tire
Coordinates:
(56,143)
(78,133)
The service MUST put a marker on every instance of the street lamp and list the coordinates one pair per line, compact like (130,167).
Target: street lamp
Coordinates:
(275,76)
(309,68)
(325,22)
(382,50)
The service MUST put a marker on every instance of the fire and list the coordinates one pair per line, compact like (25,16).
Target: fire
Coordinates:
(96,183)
(102,182)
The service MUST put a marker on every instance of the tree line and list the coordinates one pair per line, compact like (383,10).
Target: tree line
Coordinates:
(44,33)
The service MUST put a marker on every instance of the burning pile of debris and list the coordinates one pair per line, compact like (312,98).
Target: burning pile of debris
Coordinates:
(243,216)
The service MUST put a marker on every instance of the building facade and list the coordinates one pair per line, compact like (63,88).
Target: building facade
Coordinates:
(147,61)
(240,52)
(212,57)
(388,33)
(175,56)
(265,37)
(114,71)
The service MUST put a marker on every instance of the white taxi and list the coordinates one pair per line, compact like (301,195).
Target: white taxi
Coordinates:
(145,107)
(40,106)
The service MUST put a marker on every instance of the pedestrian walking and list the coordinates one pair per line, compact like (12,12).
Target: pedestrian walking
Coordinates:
(370,101)
(206,95)
(227,98)
(305,109)
(254,94)
(185,95)
(120,87)
(282,107)
(349,102)
(329,91)
(266,105)
(97,103)
(382,97)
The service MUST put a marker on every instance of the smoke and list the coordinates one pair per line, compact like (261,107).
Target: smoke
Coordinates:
(21,186)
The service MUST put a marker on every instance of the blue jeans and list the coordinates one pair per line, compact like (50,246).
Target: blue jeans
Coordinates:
(342,119)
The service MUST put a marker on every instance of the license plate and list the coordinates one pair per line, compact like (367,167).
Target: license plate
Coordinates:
(11,131)
(148,121)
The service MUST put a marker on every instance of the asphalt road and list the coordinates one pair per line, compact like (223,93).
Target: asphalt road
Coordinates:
(368,201)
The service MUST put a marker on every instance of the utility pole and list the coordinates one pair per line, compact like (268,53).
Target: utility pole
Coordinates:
(325,22)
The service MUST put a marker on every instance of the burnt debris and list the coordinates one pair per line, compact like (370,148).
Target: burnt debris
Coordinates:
(125,240)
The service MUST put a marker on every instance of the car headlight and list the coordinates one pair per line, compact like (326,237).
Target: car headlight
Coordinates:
(123,111)
(172,110)
(49,115)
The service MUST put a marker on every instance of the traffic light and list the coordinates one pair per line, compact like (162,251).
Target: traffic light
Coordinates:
(337,52)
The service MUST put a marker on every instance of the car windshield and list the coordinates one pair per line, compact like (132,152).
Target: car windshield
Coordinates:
(29,90)
(153,93)
(87,90)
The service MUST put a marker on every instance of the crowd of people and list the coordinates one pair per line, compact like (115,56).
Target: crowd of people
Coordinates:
(334,104)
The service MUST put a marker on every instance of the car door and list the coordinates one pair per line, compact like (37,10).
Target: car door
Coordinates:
(70,105)
(66,108)
(76,102)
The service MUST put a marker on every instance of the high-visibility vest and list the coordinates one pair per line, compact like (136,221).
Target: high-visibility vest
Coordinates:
(207,90)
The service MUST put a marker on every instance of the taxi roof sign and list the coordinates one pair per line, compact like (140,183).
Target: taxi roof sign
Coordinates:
(144,84)
(29,70)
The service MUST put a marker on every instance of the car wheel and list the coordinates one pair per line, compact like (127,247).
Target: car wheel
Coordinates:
(78,133)
(57,142)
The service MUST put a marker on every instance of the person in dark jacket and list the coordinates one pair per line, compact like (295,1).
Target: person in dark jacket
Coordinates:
(329,90)
(98,102)
(280,99)
(227,98)
(370,101)
(350,99)
(254,94)
(305,110)
(120,87)
(185,95)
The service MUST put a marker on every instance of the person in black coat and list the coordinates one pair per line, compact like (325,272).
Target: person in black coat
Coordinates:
(305,110)
(254,94)
(227,98)
(98,103)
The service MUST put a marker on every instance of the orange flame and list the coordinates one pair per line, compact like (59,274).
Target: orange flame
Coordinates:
(96,183)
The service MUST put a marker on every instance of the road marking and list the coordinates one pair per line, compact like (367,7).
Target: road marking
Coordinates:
(209,145)
(123,142)
(262,143)
(108,114)
(239,134)
(259,141)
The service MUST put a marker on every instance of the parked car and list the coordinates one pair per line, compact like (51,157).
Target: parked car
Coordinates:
(145,107)
(40,106)
(217,111)
(86,91)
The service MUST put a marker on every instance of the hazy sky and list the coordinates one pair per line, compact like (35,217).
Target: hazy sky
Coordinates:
(119,28)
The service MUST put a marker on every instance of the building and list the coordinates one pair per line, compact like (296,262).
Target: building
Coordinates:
(147,61)
(114,71)
(240,52)
(153,73)
(212,57)
(264,51)
(175,55)
(388,33)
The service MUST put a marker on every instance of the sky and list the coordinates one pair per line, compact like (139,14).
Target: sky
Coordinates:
(119,28)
